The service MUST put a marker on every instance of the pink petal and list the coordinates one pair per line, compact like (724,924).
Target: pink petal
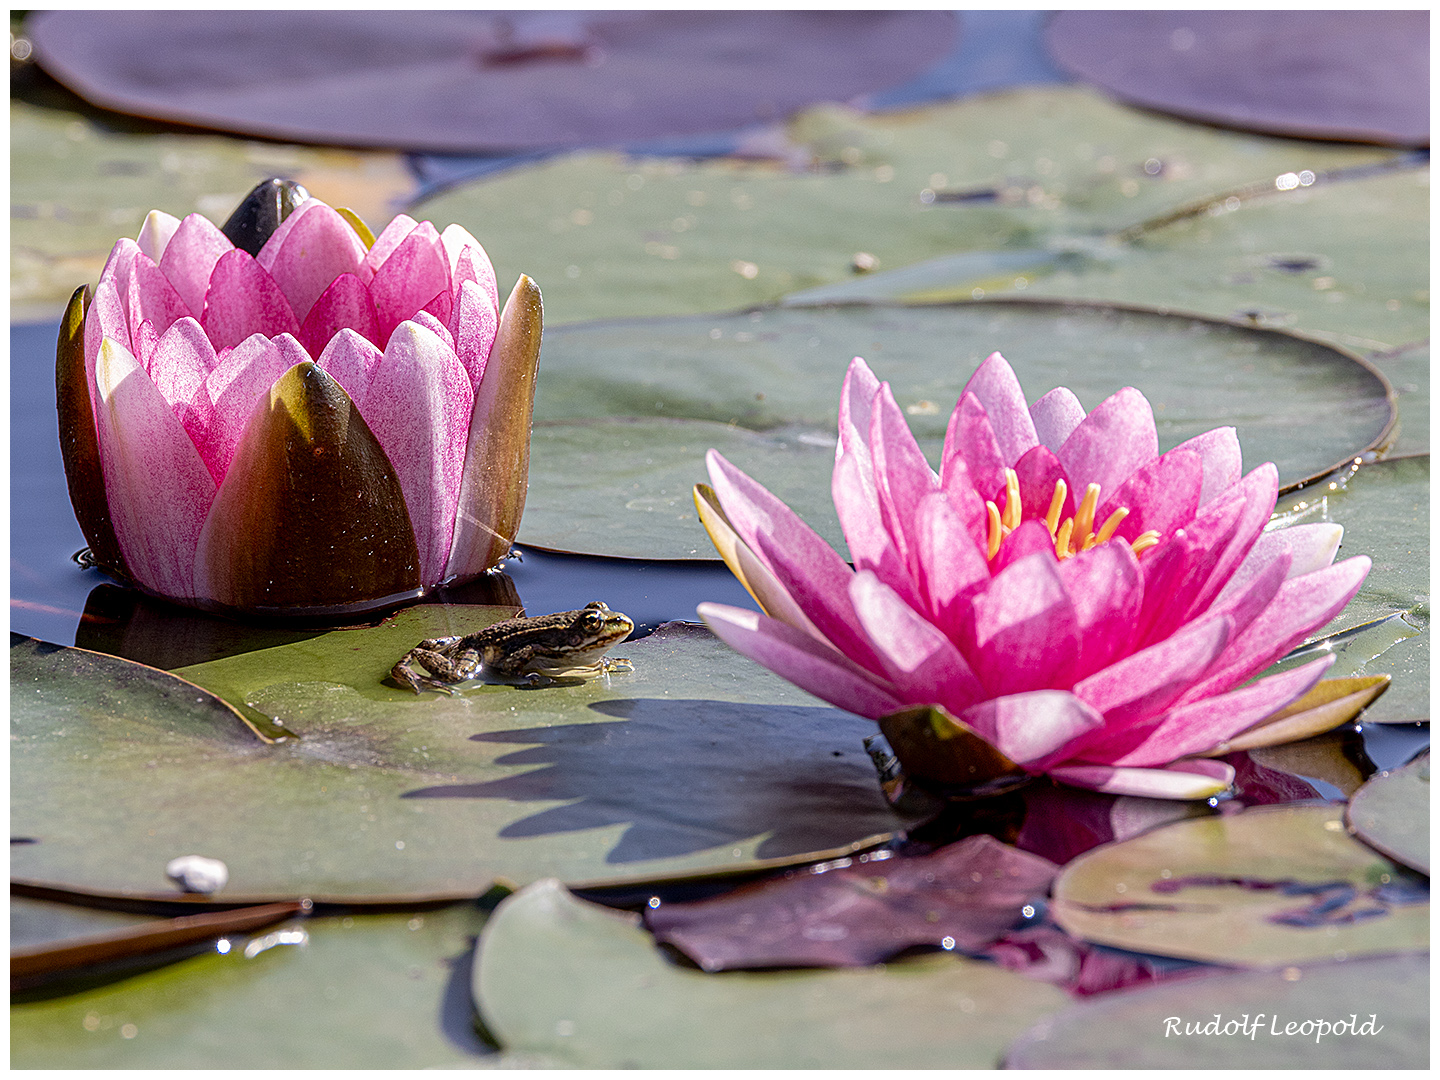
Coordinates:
(1025,631)
(1204,724)
(1144,683)
(857,393)
(871,548)
(442,307)
(924,667)
(1178,567)
(106,319)
(1309,547)
(418,406)
(796,656)
(1259,491)
(244,300)
(1244,606)
(1301,606)
(970,438)
(401,226)
(344,305)
(351,361)
(1037,471)
(1106,587)
(469,262)
(1182,780)
(951,565)
(473,325)
(436,327)
(156,486)
(182,360)
(902,475)
(1029,727)
(312,253)
(1030,538)
(1163,494)
(1055,416)
(1219,449)
(409,278)
(190,259)
(998,390)
(151,300)
(808,568)
(239,380)
(155,234)
(1111,443)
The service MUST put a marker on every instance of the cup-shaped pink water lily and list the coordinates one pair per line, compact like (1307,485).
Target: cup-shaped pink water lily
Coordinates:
(1060,598)
(335,423)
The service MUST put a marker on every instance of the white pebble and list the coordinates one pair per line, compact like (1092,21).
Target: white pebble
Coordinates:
(197,874)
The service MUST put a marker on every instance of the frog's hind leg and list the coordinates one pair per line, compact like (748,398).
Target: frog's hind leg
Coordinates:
(432,655)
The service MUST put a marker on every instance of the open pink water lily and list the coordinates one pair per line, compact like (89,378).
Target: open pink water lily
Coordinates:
(336,423)
(1060,598)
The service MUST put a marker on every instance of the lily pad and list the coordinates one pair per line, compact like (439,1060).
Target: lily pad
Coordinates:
(378,991)
(423,796)
(608,236)
(1261,1020)
(1391,813)
(963,896)
(587,988)
(1260,888)
(1385,508)
(1305,406)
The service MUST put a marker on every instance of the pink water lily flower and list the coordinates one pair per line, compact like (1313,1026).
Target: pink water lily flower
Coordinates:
(336,423)
(1064,598)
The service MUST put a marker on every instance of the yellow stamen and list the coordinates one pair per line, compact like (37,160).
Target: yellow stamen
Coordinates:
(1111,524)
(1062,539)
(1085,516)
(992,543)
(1011,520)
(1146,540)
(1057,503)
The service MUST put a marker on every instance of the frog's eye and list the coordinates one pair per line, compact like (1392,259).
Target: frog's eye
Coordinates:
(592,621)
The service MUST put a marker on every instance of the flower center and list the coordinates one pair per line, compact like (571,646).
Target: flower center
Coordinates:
(1071,536)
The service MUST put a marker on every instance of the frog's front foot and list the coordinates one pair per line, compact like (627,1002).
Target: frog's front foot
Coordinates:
(405,675)
(613,664)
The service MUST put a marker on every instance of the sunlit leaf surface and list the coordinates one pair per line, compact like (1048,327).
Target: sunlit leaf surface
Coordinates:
(588,988)
(1302,405)
(1276,885)
(357,992)
(694,761)
(1391,813)
(1146,1028)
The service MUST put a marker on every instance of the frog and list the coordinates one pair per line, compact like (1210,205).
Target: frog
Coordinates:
(525,649)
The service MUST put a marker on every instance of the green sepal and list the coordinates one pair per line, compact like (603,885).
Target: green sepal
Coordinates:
(936,749)
(79,443)
(310,516)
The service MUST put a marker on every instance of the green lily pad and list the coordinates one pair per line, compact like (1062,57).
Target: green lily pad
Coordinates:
(1266,1020)
(609,236)
(1385,508)
(585,987)
(1391,813)
(41,923)
(1344,259)
(358,992)
(1303,405)
(1261,888)
(429,796)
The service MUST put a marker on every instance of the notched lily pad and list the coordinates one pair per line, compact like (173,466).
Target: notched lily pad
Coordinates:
(1248,1020)
(630,394)
(587,988)
(1260,888)
(1391,813)
(963,897)
(414,797)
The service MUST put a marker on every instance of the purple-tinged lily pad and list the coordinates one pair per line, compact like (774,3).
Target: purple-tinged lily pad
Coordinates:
(863,911)
(1248,1020)
(1391,813)
(1260,888)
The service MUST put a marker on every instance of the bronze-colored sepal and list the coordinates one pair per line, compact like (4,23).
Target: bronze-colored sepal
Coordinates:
(497,455)
(79,443)
(310,516)
(946,755)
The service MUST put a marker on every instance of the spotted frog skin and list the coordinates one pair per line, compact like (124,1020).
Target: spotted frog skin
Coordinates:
(568,643)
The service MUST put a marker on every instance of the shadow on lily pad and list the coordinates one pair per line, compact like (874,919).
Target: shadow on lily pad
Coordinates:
(734,786)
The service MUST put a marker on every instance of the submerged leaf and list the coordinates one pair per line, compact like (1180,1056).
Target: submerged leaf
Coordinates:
(1391,813)
(863,911)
